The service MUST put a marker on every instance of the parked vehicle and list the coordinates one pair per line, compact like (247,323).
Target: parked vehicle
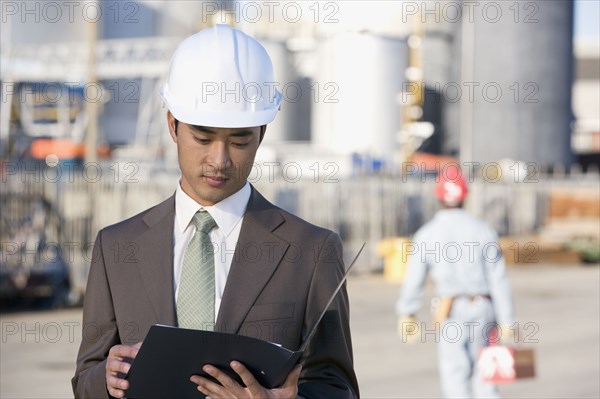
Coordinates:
(32,260)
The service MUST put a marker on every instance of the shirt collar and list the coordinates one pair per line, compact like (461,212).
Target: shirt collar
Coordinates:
(226,213)
(446,212)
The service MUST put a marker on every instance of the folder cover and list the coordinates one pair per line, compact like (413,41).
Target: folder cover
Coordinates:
(169,356)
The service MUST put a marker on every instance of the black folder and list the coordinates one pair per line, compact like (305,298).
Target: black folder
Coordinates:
(169,356)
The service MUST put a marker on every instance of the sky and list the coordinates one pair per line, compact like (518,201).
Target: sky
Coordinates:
(587,15)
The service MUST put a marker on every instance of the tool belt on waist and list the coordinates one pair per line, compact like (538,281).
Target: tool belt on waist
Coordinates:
(474,298)
(443,307)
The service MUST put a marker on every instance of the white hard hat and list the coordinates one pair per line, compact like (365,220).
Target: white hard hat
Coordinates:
(221,77)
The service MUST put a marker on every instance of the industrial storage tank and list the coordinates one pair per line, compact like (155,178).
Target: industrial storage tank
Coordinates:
(68,22)
(291,121)
(355,93)
(439,64)
(522,76)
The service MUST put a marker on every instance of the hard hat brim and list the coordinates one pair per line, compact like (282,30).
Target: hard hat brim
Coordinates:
(219,118)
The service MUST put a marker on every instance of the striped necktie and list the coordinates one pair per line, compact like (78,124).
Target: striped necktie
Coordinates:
(196,295)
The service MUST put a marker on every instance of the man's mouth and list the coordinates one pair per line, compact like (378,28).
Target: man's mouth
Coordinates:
(216,180)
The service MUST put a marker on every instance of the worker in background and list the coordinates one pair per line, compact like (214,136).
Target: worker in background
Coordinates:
(217,255)
(463,256)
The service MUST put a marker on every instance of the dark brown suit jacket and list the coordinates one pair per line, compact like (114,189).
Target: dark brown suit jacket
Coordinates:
(283,272)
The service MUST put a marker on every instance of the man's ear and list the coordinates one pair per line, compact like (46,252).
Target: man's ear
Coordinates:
(263,129)
(172,123)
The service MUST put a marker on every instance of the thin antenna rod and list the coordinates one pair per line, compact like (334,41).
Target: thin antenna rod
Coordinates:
(314,329)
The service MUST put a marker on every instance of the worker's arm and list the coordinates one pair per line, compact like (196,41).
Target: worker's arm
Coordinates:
(499,285)
(411,292)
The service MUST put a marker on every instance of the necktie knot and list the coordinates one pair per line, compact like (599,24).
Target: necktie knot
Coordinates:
(204,222)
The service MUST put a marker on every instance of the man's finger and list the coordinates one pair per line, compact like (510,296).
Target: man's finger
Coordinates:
(117,366)
(123,351)
(222,377)
(117,383)
(207,386)
(293,377)
(116,387)
(115,393)
(245,375)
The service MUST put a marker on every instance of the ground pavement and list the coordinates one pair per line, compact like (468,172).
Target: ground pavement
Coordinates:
(561,304)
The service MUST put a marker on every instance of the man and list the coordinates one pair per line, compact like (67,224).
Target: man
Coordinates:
(463,257)
(267,274)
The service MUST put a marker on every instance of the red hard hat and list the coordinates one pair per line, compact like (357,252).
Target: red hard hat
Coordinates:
(451,186)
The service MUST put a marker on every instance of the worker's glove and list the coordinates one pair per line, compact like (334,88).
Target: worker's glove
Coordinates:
(408,329)
(508,334)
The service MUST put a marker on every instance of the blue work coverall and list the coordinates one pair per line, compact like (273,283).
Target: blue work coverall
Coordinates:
(463,257)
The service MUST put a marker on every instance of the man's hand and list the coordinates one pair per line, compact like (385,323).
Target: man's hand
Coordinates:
(230,389)
(117,366)
(408,329)
(507,334)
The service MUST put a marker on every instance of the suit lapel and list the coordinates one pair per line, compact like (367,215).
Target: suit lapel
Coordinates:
(156,260)
(257,255)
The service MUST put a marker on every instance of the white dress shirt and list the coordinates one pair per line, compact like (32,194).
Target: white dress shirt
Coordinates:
(228,214)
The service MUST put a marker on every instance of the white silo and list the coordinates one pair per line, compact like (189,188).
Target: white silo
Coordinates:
(522,60)
(355,91)
(282,129)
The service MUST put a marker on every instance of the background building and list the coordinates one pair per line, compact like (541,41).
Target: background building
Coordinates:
(496,88)
(378,97)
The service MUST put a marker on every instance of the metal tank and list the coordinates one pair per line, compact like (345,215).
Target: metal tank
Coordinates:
(43,22)
(288,125)
(355,94)
(521,64)
(438,63)
(67,22)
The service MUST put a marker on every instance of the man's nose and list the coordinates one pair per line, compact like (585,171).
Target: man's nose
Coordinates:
(219,155)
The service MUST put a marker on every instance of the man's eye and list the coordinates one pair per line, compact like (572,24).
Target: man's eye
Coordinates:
(240,145)
(201,140)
